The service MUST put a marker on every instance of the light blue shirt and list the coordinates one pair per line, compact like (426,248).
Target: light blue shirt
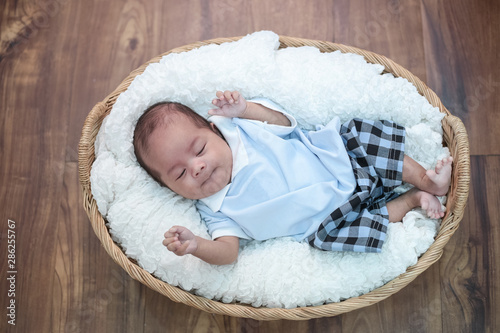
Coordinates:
(285,181)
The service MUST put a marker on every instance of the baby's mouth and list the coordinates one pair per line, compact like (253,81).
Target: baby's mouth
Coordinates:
(209,176)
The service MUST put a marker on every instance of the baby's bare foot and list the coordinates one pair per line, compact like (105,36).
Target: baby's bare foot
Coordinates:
(431,205)
(441,176)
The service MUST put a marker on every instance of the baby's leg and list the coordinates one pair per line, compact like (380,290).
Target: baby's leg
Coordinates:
(435,181)
(414,198)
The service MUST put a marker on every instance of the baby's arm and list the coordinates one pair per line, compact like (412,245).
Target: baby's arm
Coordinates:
(232,104)
(222,251)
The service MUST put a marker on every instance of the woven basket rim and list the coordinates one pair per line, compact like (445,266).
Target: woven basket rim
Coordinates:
(455,137)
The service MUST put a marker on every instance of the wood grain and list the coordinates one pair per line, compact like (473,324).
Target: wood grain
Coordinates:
(461,53)
(59,57)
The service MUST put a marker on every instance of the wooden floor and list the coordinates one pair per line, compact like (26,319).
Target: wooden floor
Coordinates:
(60,57)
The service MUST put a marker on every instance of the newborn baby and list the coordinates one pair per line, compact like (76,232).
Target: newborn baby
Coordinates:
(256,175)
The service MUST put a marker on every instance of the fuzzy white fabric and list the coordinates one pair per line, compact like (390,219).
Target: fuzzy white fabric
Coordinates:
(313,87)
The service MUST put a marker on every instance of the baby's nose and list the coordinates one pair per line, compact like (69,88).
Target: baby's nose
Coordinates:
(198,168)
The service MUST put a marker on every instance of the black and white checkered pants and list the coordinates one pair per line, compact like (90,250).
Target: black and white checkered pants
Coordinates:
(376,151)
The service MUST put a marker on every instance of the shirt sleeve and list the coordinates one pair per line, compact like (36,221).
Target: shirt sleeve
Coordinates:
(273,128)
(218,224)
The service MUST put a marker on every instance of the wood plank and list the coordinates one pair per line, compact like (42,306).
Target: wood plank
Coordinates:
(462,65)
(33,144)
(290,18)
(389,28)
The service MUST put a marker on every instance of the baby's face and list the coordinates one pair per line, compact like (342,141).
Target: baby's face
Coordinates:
(193,162)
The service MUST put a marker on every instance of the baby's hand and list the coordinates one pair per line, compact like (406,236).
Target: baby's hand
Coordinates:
(180,241)
(230,104)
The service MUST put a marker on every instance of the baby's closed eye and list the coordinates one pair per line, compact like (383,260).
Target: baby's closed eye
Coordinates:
(182,174)
(202,149)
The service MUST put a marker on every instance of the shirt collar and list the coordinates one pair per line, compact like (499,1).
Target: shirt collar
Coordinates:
(240,158)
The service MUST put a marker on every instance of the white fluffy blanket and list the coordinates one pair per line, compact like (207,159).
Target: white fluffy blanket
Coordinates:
(313,87)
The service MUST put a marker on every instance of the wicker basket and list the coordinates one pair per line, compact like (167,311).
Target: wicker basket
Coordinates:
(455,138)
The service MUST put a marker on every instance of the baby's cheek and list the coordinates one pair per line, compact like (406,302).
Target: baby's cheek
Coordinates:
(210,187)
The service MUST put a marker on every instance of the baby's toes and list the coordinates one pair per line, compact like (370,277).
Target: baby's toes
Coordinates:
(433,214)
(439,166)
(439,212)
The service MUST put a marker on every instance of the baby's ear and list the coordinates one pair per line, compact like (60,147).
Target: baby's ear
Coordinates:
(216,130)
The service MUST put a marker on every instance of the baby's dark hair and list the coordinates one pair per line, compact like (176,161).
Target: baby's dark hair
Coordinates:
(155,116)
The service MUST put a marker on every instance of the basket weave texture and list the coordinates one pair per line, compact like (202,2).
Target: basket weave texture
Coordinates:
(454,137)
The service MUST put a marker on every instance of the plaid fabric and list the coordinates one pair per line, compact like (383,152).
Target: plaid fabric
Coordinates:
(376,150)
